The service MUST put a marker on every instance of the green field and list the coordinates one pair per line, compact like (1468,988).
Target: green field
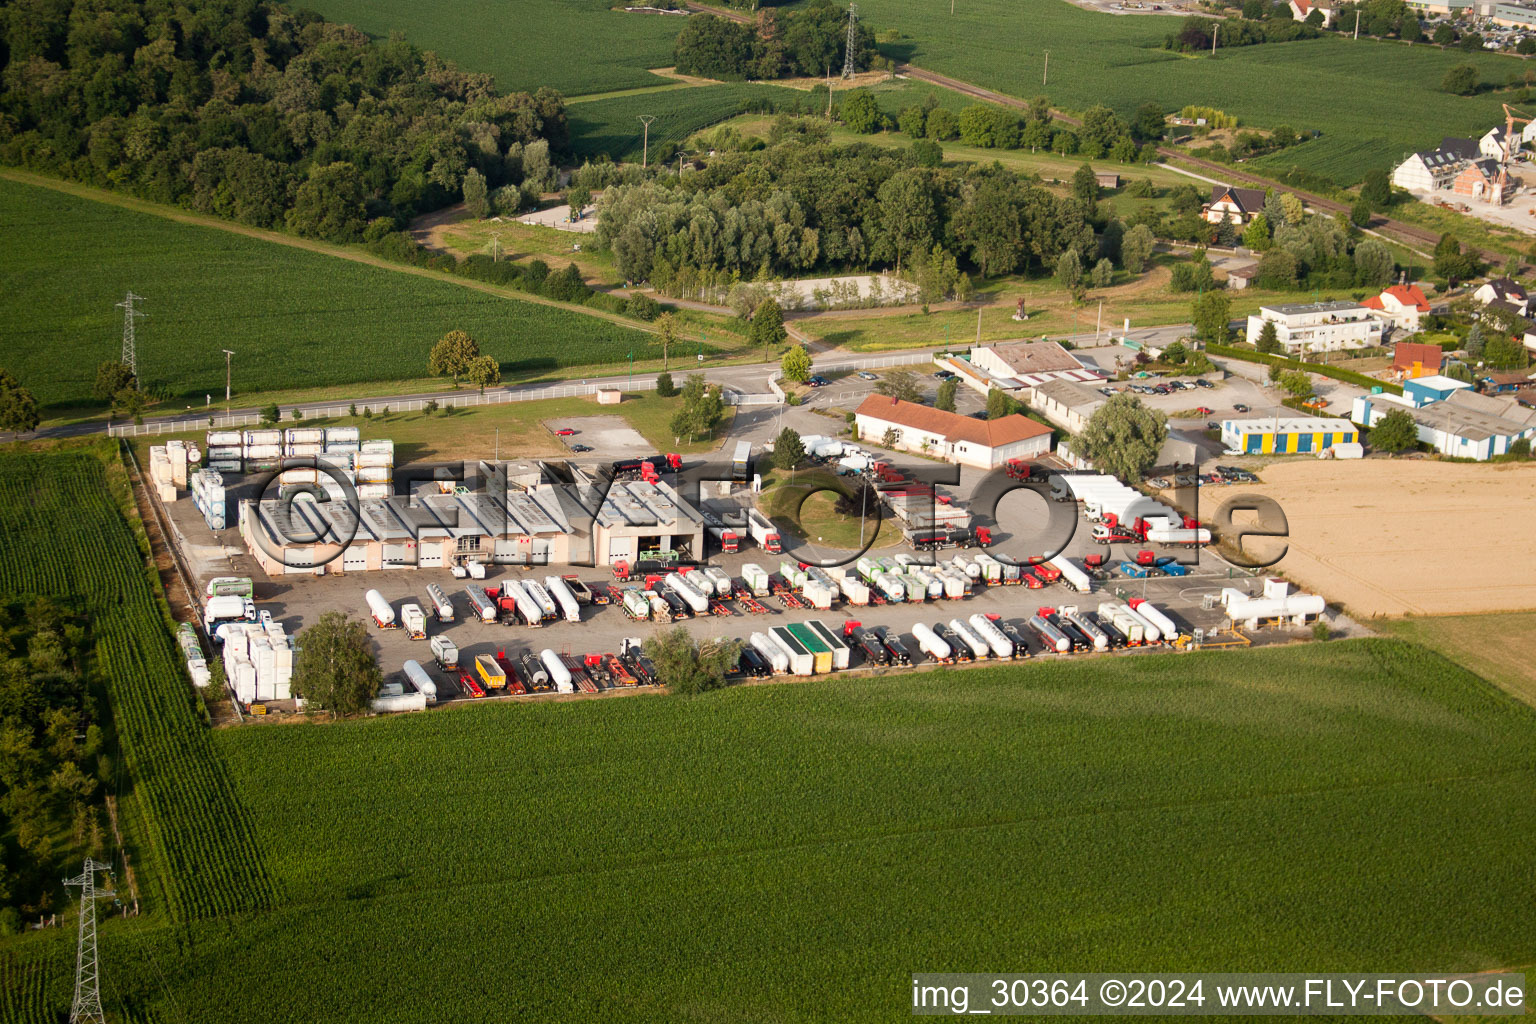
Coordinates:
(574,46)
(293,318)
(1354,91)
(784,852)
(612,126)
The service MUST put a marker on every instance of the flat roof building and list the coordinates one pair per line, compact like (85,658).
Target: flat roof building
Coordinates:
(1066,403)
(1317,326)
(1289,435)
(1465,424)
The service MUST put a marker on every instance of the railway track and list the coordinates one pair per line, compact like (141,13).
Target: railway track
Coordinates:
(1410,234)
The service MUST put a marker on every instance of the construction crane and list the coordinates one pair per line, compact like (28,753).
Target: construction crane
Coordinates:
(1511,119)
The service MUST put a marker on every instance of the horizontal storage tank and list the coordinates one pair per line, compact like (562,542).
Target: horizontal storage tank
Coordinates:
(263,437)
(720,578)
(965,565)
(1149,631)
(441,606)
(637,604)
(373,460)
(334,435)
(217,452)
(225,439)
(399,702)
(1073,574)
(380,609)
(543,599)
(1090,629)
(421,680)
(892,587)
(375,474)
(304,435)
(558,673)
(303,450)
(987,631)
(380,444)
(263,451)
(374,492)
(978,646)
(563,597)
(679,585)
(528,609)
(1163,623)
(930,643)
(482,605)
(1054,638)
(533,669)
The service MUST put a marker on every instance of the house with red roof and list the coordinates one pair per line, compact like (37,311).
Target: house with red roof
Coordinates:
(1402,305)
(1410,360)
(1301,8)
(984,444)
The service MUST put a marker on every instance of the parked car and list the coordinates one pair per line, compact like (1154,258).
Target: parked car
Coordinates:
(1203,383)
(1204,410)
(1106,391)
(818,382)
(866,375)
(1184,480)
(1240,407)
(1211,478)
(1162,389)
(1212,425)
(943,374)
(566,432)
(581,447)
(1160,482)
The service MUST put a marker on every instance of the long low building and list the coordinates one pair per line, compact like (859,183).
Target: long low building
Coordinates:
(1287,435)
(984,444)
(1067,403)
(584,522)
(1465,424)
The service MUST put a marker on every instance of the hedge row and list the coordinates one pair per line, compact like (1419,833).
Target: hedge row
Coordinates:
(1347,376)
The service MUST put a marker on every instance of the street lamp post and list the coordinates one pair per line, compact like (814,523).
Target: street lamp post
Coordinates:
(228,355)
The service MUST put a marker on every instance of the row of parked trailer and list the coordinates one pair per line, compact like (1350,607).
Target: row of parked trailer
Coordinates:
(814,648)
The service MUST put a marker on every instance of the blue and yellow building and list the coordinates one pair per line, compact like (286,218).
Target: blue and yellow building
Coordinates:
(1288,435)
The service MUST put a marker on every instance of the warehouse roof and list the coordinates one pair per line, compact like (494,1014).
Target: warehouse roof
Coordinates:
(1036,357)
(952,426)
(1474,417)
(1071,394)
(1300,308)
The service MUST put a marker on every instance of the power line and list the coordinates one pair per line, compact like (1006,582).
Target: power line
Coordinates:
(87,1002)
(130,355)
(853,34)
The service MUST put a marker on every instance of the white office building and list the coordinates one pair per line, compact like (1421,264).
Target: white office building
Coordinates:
(1303,327)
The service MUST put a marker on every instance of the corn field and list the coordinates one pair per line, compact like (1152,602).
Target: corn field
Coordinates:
(63,536)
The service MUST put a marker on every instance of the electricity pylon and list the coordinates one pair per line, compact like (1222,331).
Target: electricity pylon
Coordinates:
(853,34)
(87,1004)
(130,354)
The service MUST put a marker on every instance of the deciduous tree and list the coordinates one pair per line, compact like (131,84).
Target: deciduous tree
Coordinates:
(796,365)
(18,409)
(1211,314)
(688,666)
(1122,437)
(477,202)
(902,384)
(945,400)
(335,669)
(111,377)
(1395,432)
(1136,248)
(452,355)
(483,372)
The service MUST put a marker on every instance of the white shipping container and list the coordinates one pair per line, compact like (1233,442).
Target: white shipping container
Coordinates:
(243,679)
(217,453)
(374,460)
(856,592)
(225,439)
(370,492)
(303,449)
(818,595)
(304,435)
(263,451)
(382,444)
(345,434)
(375,474)
(756,578)
(263,437)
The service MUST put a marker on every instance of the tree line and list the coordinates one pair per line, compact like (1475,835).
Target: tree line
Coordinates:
(243,109)
(802,205)
(810,42)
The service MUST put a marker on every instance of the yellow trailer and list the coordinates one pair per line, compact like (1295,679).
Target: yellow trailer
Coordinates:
(491,674)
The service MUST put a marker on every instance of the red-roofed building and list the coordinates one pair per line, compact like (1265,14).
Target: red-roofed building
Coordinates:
(1410,360)
(1404,305)
(984,444)
(1301,8)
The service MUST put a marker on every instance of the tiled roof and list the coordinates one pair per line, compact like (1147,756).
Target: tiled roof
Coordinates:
(1407,353)
(952,426)
(1409,295)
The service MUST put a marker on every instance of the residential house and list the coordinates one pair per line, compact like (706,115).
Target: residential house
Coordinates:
(1236,205)
(1303,327)
(1511,383)
(1300,9)
(1464,149)
(1242,277)
(1401,305)
(1464,424)
(983,444)
(1411,360)
(1502,293)
(1483,179)
(1427,171)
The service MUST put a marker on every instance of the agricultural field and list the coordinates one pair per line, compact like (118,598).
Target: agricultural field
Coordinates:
(573,46)
(64,536)
(612,126)
(1391,537)
(505,863)
(1496,646)
(1097,58)
(294,318)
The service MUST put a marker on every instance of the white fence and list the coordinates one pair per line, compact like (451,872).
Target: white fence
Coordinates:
(647,382)
(218,421)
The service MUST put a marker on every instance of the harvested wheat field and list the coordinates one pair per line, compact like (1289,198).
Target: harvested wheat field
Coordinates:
(1396,537)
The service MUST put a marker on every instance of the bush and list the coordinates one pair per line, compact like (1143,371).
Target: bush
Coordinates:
(642,307)
(664,385)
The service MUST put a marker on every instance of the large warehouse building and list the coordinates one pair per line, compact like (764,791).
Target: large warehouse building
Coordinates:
(1463,424)
(581,522)
(1287,435)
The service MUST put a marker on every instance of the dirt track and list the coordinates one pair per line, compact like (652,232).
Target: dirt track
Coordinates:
(1395,537)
